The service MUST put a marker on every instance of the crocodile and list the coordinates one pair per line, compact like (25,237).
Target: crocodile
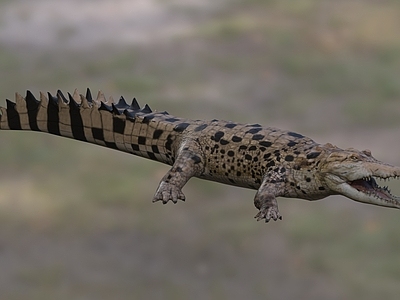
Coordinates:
(276,163)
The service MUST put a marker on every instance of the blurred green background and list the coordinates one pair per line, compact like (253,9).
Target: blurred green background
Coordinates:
(76,220)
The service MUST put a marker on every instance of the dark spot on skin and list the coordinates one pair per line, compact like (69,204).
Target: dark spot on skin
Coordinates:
(253,125)
(231,180)
(296,135)
(181,127)
(257,137)
(255,159)
(200,128)
(230,125)
(224,142)
(289,158)
(248,157)
(178,169)
(262,149)
(291,144)
(172,120)
(321,188)
(222,151)
(218,135)
(271,164)
(304,192)
(292,184)
(266,156)
(254,130)
(154,148)
(151,155)
(157,133)
(236,139)
(238,173)
(283,170)
(296,152)
(168,144)
(308,179)
(231,153)
(265,144)
(252,148)
(196,159)
(242,147)
(313,155)
(141,140)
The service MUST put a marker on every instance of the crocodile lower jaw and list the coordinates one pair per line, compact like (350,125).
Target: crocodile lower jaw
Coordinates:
(369,187)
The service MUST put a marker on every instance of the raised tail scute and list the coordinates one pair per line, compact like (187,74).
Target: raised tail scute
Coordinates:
(3,118)
(81,117)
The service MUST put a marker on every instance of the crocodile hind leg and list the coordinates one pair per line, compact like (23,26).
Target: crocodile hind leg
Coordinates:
(187,164)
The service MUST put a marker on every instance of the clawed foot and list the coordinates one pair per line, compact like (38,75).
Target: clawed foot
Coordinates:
(268,213)
(167,192)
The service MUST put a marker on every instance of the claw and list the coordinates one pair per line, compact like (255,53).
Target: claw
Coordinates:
(268,213)
(168,192)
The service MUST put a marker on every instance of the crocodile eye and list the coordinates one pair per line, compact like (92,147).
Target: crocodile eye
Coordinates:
(354,157)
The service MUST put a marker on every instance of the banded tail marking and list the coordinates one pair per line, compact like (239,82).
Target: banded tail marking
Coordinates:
(79,117)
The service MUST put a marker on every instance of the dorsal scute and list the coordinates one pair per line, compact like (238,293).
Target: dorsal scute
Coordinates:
(10,105)
(106,107)
(31,102)
(100,97)
(110,100)
(146,109)
(72,103)
(44,101)
(77,102)
(84,102)
(89,95)
(122,104)
(76,96)
(115,109)
(52,100)
(20,102)
(135,105)
(61,96)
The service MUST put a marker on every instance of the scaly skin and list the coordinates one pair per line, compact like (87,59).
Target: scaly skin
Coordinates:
(275,162)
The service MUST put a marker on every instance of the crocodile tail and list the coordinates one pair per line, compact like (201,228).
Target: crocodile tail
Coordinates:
(100,121)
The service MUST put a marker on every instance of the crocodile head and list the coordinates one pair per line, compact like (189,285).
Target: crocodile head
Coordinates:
(353,174)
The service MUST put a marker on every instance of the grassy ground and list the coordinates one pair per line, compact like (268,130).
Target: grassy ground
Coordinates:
(77,220)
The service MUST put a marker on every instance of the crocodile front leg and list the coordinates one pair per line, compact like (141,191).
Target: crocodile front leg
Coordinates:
(265,201)
(187,164)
